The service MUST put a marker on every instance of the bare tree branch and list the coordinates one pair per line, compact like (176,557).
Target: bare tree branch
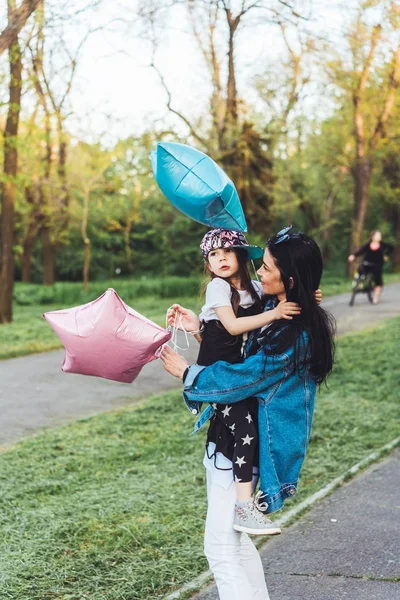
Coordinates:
(246,9)
(176,112)
(293,92)
(209,52)
(388,106)
(37,65)
(358,95)
(290,7)
(16,22)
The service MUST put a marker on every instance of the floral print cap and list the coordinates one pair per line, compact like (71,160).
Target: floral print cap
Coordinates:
(227,238)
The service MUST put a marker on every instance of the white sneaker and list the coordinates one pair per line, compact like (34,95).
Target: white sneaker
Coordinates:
(249,519)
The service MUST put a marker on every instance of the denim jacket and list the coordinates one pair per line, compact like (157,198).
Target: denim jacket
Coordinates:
(286,404)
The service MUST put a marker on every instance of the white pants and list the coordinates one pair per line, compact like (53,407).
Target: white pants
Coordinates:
(232,556)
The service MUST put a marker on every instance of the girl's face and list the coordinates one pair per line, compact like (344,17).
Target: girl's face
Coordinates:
(270,277)
(376,237)
(223,262)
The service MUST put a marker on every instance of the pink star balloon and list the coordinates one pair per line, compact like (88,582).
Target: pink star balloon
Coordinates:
(107,338)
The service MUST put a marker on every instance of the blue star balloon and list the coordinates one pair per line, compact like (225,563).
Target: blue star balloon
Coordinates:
(197,186)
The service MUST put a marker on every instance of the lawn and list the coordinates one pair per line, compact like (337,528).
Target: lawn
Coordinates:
(29,333)
(112,507)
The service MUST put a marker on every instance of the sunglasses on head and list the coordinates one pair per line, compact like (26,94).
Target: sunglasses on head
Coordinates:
(283,235)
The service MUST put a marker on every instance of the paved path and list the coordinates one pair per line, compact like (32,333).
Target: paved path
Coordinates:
(345,548)
(35,393)
(363,314)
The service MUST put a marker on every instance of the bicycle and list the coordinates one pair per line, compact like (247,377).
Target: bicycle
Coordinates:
(363,282)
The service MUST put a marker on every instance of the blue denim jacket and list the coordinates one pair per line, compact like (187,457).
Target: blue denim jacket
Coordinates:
(286,404)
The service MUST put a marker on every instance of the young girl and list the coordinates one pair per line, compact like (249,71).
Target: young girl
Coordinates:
(232,308)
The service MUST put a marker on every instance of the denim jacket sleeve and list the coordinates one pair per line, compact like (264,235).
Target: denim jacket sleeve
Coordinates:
(225,383)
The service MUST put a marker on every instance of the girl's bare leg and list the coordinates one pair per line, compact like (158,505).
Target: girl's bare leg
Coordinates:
(377,294)
(243,491)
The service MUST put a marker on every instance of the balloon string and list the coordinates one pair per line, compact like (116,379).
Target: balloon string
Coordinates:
(175,328)
(255,271)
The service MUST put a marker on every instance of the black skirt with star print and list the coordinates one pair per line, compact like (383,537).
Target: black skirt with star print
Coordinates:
(235,434)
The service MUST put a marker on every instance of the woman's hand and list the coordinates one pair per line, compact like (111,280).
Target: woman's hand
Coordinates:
(318,296)
(351,258)
(179,317)
(173,362)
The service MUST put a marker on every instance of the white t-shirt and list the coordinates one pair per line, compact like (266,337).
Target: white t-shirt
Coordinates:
(219,293)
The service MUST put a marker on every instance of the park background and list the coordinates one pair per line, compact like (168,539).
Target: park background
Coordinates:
(299,103)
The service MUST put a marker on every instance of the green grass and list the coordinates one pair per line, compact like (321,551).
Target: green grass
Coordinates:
(73,294)
(29,333)
(112,507)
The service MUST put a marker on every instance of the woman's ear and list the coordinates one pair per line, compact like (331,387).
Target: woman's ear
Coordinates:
(291,282)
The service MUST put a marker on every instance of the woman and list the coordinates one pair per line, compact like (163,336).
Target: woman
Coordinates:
(284,363)
(375,254)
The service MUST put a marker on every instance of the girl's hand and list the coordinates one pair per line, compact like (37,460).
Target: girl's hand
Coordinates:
(351,258)
(318,296)
(177,316)
(287,310)
(173,362)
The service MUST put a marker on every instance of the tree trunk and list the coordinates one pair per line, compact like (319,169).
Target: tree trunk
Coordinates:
(231,101)
(48,256)
(46,226)
(362,172)
(327,233)
(86,264)
(133,218)
(30,235)
(10,172)
(396,259)
(62,170)
(86,241)
(26,258)
(228,134)
(48,246)
(17,18)
(396,251)
(127,242)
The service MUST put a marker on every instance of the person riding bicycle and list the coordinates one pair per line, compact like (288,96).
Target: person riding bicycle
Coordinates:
(375,254)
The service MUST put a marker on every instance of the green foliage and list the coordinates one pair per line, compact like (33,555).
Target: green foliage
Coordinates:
(248,160)
(132,228)
(314,188)
(287,167)
(113,506)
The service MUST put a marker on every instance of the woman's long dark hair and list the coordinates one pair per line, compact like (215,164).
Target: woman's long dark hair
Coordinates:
(245,280)
(299,261)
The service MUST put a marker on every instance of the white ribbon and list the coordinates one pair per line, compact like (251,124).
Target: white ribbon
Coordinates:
(178,325)
(262,506)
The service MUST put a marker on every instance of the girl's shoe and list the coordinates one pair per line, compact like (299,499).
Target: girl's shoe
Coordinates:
(249,519)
